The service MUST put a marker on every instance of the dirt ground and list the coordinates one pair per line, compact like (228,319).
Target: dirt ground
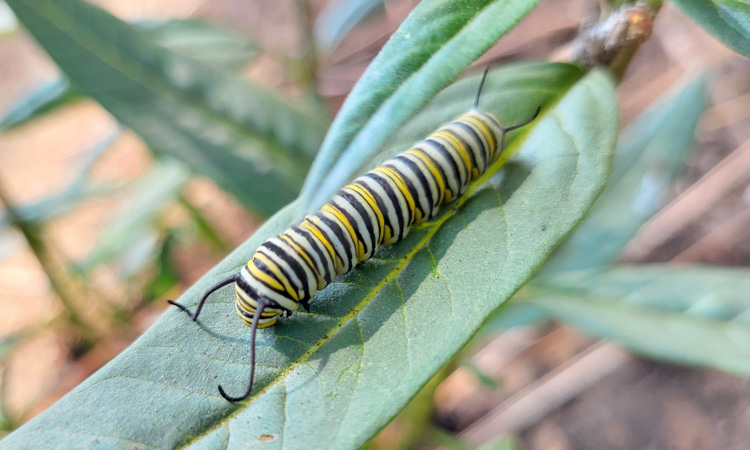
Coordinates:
(561,390)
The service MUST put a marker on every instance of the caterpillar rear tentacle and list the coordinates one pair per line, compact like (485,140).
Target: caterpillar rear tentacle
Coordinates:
(374,210)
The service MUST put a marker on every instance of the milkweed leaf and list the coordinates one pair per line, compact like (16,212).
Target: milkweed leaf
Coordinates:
(333,377)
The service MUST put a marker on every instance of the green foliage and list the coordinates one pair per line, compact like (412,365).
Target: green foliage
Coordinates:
(376,336)
(339,18)
(650,155)
(200,40)
(335,376)
(438,40)
(209,44)
(687,314)
(39,101)
(246,139)
(131,236)
(727,20)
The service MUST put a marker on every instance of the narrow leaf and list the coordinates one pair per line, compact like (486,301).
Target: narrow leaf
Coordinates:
(247,140)
(438,40)
(77,191)
(332,378)
(338,18)
(39,101)
(727,20)
(131,236)
(687,314)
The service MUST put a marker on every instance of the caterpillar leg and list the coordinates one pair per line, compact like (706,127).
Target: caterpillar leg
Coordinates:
(258,312)
(214,288)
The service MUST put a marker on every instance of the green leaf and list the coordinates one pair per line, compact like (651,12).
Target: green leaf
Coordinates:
(206,42)
(200,40)
(686,314)
(727,20)
(250,142)
(334,377)
(39,101)
(438,40)
(77,191)
(338,18)
(650,155)
(131,237)
(8,22)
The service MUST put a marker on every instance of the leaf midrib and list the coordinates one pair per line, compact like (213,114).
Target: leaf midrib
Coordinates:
(57,17)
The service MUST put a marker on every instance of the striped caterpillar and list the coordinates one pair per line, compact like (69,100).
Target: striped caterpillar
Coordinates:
(374,210)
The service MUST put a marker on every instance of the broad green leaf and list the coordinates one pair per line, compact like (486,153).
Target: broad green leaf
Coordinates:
(650,155)
(131,236)
(687,314)
(332,378)
(727,20)
(438,40)
(338,18)
(250,142)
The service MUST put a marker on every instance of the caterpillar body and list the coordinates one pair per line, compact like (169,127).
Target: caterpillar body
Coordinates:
(374,210)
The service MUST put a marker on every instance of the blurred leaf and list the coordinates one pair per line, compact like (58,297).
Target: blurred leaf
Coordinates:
(131,237)
(687,314)
(200,40)
(78,190)
(208,43)
(204,227)
(338,18)
(334,377)
(438,40)
(8,21)
(10,342)
(502,443)
(41,100)
(250,142)
(727,20)
(485,380)
(650,155)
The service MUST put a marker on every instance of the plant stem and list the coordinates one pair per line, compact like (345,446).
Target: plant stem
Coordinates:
(307,64)
(57,283)
(208,230)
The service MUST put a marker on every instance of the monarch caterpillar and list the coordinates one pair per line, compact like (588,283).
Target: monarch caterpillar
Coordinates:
(374,210)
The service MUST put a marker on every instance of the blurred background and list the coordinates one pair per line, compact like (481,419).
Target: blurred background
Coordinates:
(101,232)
